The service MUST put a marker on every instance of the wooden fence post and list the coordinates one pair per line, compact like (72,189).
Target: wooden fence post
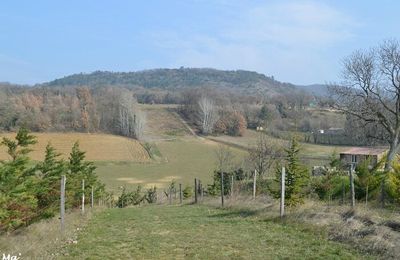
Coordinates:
(231,185)
(62,204)
(353,197)
(91,198)
(343,193)
(195,190)
(254,184)
(170,196)
(282,206)
(222,189)
(382,193)
(180,193)
(201,192)
(83,196)
(198,188)
(174,193)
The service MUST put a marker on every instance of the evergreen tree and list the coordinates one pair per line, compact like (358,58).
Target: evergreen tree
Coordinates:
(329,185)
(297,176)
(18,203)
(368,179)
(79,170)
(29,192)
(334,160)
(49,172)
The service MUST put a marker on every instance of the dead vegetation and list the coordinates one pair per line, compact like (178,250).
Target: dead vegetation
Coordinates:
(43,240)
(373,231)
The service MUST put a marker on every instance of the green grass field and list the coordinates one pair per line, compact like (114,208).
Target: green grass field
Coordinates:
(182,161)
(199,232)
(312,154)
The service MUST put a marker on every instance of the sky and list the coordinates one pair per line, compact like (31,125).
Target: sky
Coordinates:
(302,42)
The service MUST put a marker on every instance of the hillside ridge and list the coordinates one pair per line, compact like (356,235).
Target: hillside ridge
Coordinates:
(244,81)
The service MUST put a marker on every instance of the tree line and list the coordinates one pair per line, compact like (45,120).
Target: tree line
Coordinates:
(108,109)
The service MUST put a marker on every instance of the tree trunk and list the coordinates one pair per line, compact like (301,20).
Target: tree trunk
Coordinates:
(394,147)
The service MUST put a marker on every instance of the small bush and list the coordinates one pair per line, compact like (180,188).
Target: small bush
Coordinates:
(151,195)
(130,198)
(187,192)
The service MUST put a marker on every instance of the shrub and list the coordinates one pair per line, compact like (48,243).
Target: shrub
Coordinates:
(151,195)
(330,186)
(367,181)
(392,182)
(130,198)
(231,123)
(215,188)
(187,192)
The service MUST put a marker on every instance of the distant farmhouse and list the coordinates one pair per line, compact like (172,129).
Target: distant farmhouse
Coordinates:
(359,154)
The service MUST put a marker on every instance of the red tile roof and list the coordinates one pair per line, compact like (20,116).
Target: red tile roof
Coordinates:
(365,151)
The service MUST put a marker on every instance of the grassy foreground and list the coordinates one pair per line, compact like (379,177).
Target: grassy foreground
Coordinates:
(198,232)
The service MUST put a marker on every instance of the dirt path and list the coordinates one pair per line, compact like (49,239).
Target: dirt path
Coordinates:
(188,127)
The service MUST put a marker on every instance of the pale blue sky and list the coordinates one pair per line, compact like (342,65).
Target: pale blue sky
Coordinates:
(301,42)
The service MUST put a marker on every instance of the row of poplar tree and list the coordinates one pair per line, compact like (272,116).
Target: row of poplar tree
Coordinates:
(30,190)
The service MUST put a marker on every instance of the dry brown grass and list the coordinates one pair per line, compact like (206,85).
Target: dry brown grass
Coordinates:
(162,122)
(98,147)
(373,231)
(43,240)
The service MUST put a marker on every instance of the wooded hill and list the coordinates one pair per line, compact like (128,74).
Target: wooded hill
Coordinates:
(168,79)
(108,101)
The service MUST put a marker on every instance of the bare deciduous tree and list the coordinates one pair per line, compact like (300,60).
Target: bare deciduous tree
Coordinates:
(370,91)
(139,123)
(265,154)
(224,158)
(131,120)
(208,114)
(126,114)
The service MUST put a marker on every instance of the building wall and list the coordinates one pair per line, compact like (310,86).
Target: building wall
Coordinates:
(347,158)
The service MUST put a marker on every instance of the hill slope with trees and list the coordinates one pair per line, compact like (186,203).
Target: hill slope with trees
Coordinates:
(245,81)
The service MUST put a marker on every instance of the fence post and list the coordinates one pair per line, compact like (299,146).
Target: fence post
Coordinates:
(195,190)
(383,193)
(170,196)
(198,188)
(62,204)
(282,206)
(201,192)
(254,184)
(231,185)
(343,192)
(222,189)
(180,193)
(83,196)
(91,198)
(353,198)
